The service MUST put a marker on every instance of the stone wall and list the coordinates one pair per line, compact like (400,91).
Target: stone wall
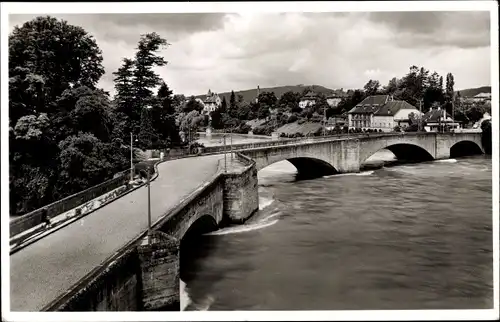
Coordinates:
(34,218)
(160,273)
(115,286)
(241,194)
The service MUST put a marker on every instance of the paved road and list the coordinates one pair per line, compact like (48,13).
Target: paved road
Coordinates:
(50,266)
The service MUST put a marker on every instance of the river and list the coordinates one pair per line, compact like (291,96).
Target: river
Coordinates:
(413,236)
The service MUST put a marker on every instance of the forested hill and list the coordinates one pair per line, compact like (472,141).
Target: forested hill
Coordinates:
(251,94)
(470,92)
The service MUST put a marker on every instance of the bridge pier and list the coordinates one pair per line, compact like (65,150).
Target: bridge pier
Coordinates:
(159,272)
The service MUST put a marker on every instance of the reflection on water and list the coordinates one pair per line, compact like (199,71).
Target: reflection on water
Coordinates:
(407,237)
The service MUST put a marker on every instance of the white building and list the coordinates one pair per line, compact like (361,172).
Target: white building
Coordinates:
(334,99)
(211,102)
(380,112)
(436,118)
(308,100)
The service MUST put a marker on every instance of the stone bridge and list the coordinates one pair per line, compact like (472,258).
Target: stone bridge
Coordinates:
(347,154)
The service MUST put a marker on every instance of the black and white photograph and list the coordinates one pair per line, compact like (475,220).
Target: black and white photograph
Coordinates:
(249,160)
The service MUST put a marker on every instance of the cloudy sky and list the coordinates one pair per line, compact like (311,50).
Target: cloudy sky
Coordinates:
(337,50)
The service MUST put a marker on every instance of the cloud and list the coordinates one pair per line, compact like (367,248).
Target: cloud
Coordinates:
(433,29)
(337,50)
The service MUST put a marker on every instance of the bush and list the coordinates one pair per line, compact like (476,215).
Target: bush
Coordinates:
(397,128)
(292,118)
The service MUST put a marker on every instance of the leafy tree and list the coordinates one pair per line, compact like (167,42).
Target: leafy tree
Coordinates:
(86,161)
(289,101)
(232,101)
(54,68)
(178,102)
(486,136)
(46,57)
(223,107)
(192,105)
(163,115)
(391,87)
(145,78)
(372,87)
(216,117)
(125,95)
(146,133)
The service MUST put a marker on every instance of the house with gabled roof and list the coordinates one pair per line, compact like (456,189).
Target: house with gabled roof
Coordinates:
(308,100)
(211,102)
(380,112)
(437,118)
(334,98)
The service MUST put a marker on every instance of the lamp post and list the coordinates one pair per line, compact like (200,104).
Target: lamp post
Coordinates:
(149,205)
(231,142)
(131,157)
(225,150)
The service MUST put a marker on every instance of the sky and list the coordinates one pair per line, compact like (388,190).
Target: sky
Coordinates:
(225,52)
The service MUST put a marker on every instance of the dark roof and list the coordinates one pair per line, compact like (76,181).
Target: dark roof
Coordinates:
(337,94)
(380,105)
(433,115)
(369,104)
(392,107)
(309,96)
(375,100)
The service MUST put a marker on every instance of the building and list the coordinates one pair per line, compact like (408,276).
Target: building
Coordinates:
(211,102)
(380,112)
(336,120)
(482,97)
(308,100)
(334,99)
(437,117)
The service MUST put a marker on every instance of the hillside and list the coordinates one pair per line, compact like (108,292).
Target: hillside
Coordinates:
(470,92)
(250,94)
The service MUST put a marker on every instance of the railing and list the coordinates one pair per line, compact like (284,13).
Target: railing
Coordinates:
(34,218)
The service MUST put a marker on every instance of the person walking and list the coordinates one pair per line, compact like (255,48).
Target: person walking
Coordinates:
(45,218)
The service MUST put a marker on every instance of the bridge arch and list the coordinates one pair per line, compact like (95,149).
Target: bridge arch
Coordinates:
(307,167)
(192,248)
(402,148)
(465,148)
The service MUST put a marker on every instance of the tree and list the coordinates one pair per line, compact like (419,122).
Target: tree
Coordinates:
(125,95)
(449,92)
(46,57)
(54,68)
(86,161)
(223,107)
(163,115)
(372,87)
(289,102)
(232,102)
(192,105)
(145,78)
(391,87)
(146,131)
(216,119)
(486,136)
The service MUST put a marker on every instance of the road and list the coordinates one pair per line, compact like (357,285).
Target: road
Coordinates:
(44,270)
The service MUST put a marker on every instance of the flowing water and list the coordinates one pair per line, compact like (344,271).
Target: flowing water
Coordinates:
(404,237)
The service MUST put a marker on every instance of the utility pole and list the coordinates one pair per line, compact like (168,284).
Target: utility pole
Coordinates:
(420,116)
(149,207)
(453,115)
(231,142)
(324,120)
(131,157)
